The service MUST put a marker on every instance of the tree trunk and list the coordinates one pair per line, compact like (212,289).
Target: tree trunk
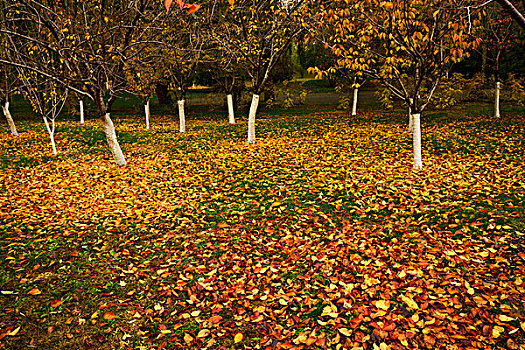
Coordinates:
(81,111)
(51,132)
(496,100)
(231,113)
(111,136)
(9,118)
(182,117)
(251,118)
(147,111)
(410,117)
(162,93)
(418,163)
(354,104)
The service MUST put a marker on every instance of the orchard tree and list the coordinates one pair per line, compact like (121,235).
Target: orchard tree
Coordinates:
(259,34)
(499,34)
(92,39)
(407,45)
(182,50)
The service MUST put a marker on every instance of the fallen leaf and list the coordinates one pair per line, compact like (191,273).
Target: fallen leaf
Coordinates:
(238,338)
(109,316)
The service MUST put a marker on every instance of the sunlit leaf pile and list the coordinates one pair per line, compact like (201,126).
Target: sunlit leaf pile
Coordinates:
(319,236)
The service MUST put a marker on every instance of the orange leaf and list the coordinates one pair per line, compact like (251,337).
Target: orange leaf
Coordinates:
(167,4)
(56,303)
(215,319)
(109,316)
(34,291)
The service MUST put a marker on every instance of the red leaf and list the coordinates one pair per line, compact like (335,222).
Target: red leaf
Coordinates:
(56,303)
(193,8)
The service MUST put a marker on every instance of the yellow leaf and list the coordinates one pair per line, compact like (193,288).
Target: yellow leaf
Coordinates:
(345,331)
(505,318)
(203,333)
(14,332)
(238,338)
(496,331)
(188,338)
(382,304)
(410,302)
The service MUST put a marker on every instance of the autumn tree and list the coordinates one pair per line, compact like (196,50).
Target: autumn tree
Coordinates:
(498,33)
(258,33)
(408,46)
(94,41)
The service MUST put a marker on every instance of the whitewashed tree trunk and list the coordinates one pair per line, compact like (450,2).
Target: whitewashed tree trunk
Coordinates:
(354,104)
(147,112)
(418,163)
(231,114)
(182,116)
(9,118)
(111,136)
(51,132)
(496,100)
(81,111)
(410,117)
(251,118)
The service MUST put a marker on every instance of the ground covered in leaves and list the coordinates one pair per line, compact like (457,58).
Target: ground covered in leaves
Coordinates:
(319,236)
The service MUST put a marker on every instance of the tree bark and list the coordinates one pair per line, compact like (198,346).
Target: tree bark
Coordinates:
(231,113)
(111,136)
(410,117)
(182,117)
(51,132)
(354,104)
(418,163)
(9,118)
(147,112)
(81,111)
(496,100)
(251,118)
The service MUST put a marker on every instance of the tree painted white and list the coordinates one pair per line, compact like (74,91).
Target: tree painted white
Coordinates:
(418,163)
(354,104)
(81,111)
(147,112)
(231,114)
(111,136)
(496,100)
(9,118)
(251,118)
(51,132)
(182,117)
(410,117)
